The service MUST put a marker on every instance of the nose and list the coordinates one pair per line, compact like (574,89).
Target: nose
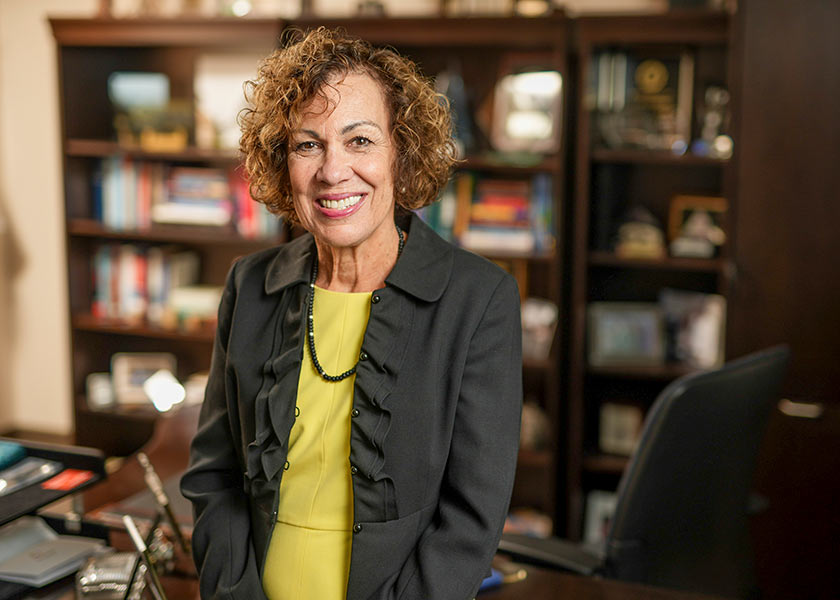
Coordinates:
(335,166)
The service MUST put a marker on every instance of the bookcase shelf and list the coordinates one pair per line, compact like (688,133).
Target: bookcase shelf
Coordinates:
(613,176)
(87,322)
(655,157)
(610,260)
(665,372)
(526,167)
(605,464)
(184,234)
(90,148)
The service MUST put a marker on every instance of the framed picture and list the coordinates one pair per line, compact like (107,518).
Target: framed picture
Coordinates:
(696,225)
(539,322)
(130,370)
(527,106)
(625,334)
(695,326)
(620,426)
(642,99)
(600,508)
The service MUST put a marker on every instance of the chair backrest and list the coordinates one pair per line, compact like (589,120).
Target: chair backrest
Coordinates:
(681,515)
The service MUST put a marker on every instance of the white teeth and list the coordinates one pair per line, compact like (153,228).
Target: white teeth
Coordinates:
(343,203)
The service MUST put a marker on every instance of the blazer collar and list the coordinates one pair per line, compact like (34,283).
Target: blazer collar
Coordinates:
(423,269)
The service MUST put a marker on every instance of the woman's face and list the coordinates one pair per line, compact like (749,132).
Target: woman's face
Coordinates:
(340,165)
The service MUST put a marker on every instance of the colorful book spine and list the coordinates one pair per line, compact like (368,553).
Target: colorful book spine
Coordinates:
(135,195)
(133,283)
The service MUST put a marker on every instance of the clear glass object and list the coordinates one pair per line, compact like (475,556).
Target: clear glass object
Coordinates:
(116,576)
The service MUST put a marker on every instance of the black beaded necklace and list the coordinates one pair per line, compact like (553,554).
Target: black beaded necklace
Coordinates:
(311,321)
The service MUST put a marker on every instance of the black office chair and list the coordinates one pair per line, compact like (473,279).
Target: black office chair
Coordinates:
(682,508)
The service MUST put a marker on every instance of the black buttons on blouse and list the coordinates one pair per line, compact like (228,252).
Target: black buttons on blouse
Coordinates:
(357,528)
(375,299)
(363,355)
(353,470)
(354,412)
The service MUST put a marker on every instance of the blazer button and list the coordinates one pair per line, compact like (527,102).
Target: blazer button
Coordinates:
(353,470)
(357,528)
(375,299)
(355,412)
(363,356)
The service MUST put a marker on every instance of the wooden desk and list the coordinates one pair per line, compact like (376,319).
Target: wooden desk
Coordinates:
(541,584)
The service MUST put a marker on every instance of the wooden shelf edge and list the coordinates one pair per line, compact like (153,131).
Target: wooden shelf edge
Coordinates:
(93,148)
(609,259)
(546,164)
(87,322)
(131,413)
(676,27)
(211,32)
(654,157)
(461,31)
(169,233)
(608,464)
(657,372)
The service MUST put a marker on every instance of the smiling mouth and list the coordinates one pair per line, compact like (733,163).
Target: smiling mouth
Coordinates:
(340,204)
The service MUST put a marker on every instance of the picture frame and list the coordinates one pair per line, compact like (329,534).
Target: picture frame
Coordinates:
(625,334)
(527,106)
(130,370)
(600,508)
(642,99)
(695,325)
(619,428)
(708,234)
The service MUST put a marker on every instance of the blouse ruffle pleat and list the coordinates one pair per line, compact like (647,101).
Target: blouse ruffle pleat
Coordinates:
(374,498)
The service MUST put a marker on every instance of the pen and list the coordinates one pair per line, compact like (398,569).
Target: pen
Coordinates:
(156,487)
(137,539)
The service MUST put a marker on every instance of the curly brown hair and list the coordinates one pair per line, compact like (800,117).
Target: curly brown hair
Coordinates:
(421,126)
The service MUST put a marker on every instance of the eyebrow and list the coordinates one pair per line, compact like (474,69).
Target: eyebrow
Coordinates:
(353,125)
(347,128)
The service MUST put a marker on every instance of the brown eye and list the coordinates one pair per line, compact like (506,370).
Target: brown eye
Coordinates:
(306,147)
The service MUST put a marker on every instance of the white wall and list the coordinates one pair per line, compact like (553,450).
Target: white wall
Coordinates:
(35,388)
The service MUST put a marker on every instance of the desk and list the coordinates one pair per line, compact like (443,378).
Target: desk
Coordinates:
(539,585)
(168,451)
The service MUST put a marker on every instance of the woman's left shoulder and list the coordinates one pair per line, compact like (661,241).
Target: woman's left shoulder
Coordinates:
(478,270)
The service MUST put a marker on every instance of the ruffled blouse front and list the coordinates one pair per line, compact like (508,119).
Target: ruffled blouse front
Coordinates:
(309,552)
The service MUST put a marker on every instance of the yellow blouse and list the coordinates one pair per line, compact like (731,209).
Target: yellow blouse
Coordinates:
(309,552)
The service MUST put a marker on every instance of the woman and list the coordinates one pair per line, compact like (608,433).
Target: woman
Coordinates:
(360,427)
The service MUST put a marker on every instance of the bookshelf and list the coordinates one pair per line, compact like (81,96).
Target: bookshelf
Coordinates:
(89,50)
(614,171)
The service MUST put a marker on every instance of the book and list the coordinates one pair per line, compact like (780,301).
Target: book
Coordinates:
(132,282)
(33,554)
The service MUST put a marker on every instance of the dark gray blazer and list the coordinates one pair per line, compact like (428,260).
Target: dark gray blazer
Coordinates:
(434,425)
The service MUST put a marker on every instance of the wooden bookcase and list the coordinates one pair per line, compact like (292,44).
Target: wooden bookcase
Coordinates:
(625,177)
(90,50)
